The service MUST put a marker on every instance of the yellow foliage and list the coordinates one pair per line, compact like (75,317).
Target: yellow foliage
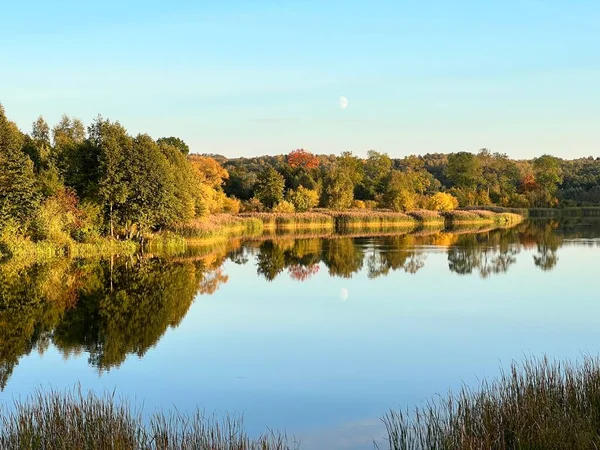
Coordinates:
(358,204)
(442,202)
(209,171)
(284,207)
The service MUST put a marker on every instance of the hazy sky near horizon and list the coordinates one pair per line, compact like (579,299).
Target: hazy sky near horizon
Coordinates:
(520,77)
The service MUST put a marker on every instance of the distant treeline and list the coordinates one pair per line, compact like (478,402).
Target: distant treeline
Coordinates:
(480,179)
(71,183)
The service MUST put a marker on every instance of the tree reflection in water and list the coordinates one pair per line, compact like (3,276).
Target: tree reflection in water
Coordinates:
(112,309)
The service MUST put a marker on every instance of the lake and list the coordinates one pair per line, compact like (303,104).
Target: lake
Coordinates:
(315,335)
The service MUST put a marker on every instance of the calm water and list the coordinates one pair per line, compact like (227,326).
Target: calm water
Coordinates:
(316,336)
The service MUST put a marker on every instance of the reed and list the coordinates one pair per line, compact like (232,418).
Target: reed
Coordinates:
(219,226)
(75,421)
(537,404)
(458,217)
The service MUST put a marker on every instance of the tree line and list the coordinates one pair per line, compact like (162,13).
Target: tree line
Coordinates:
(432,181)
(70,182)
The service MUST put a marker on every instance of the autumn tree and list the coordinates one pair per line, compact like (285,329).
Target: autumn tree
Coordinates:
(302,159)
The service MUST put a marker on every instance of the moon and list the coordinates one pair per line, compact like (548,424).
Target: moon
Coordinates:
(344,294)
(343,102)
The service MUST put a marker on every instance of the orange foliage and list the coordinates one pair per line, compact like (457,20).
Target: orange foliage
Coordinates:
(302,158)
(209,171)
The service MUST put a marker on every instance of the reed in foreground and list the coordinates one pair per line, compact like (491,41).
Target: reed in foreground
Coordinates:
(74,421)
(538,404)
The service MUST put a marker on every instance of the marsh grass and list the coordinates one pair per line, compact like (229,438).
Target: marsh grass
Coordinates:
(219,226)
(76,421)
(537,404)
(481,216)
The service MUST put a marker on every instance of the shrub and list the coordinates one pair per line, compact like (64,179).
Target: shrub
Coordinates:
(370,204)
(358,204)
(231,205)
(284,207)
(303,199)
(442,202)
(252,205)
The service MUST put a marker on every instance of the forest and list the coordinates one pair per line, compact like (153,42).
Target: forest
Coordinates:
(72,183)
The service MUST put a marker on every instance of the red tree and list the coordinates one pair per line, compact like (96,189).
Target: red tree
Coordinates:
(302,158)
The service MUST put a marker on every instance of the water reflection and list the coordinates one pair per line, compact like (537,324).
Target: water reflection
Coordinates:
(110,309)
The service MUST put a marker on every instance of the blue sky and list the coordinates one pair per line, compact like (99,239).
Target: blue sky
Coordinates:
(264,77)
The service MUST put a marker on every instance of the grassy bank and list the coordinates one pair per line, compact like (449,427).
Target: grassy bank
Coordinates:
(343,222)
(17,247)
(538,404)
(59,421)
(462,217)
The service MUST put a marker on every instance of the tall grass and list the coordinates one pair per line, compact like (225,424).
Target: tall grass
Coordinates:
(538,404)
(219,226)
(481,216)
(75,421)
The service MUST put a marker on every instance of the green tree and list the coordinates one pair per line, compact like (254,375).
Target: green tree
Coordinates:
(339,190)
(269,187)
(464,170)
(110,142)
(377,168)
(19,195)
(175,142)
(548,176)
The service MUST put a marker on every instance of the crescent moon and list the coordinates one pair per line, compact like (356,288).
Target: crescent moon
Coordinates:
(343,102)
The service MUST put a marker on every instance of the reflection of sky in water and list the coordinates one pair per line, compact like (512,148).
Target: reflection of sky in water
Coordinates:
(326,357)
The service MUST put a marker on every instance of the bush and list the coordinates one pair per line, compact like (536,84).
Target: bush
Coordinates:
(442,202)
(231,205)
(370,204)
(252,205)
(358,204)
(284,207)
(303,199)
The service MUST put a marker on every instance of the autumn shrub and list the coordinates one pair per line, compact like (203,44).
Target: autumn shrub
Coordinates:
(370,204)
(442,201)
(303,199)
(358,204)
(252,205)
(284,207)
(231,205)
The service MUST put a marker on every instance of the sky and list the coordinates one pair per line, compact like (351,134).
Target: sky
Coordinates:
(245,78)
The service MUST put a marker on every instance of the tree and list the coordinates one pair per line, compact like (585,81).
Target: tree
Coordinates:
(303,199)
(110,142)
(19,196)
(339,191)
(377,168)
(400,194)
(302,159)
(464,170)
(175,142)
(269,188)
(548,175)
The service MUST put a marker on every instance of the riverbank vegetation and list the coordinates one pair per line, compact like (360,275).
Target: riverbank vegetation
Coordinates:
(72,420)
(538,404)
(73,190)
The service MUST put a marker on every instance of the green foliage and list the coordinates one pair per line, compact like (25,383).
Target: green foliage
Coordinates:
(269,188)
(339,190)
(303,199)
(284,207)
(19,194)
(464,170)
(175,142)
